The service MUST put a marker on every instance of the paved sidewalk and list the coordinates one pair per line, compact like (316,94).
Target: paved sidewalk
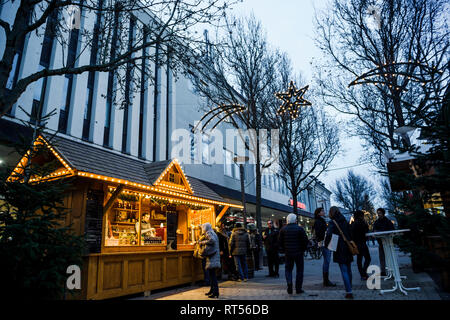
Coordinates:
(261,287)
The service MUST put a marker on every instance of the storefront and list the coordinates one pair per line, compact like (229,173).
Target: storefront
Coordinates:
(139,220)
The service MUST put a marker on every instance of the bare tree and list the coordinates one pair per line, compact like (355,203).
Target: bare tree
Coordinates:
(308,143)
(353,192)
(113,38)
(404,44)
(241,72)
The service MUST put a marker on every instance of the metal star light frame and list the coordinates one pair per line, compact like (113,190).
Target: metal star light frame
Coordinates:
(292,100)
(227,111)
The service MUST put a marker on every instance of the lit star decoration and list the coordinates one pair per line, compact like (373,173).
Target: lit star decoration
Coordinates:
(292,100)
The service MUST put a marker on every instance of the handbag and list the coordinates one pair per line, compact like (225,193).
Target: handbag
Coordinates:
(197,252)
(207,251)
(351,244)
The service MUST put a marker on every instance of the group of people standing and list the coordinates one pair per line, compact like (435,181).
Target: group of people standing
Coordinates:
(231,249)
(355,232)
(231,253)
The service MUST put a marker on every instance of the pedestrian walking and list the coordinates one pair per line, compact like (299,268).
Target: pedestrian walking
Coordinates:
(319,229)
(270,238)
(239,246)
(358,230)
(382,224)
(293,242)
(255,244)
(213,260)
(342,256)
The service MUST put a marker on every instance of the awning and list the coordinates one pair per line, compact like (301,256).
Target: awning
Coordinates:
(249,198)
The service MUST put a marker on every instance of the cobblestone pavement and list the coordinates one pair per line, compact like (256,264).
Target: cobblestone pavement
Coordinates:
(262,288)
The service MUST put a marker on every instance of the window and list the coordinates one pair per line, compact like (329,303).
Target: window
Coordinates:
(145,220)
(193,143)
(228,163)
(14,74)
(87,118)
(236,171)
(110,90)
(128,88)
(205,148)
(44,63)
(143,101)
(68,78)
(155,101)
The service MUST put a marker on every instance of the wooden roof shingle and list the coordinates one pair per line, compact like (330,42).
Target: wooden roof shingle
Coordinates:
(88,158)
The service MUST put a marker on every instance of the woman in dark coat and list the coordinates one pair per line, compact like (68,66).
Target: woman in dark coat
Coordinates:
(358,230)
(342,255)
(319,229)
(212,262)
(227,263)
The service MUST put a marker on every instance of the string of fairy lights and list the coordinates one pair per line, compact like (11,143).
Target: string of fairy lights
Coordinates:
(387,75)
(227,109)
(168,190)
(155,198)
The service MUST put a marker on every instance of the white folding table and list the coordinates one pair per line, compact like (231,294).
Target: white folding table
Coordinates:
(392,267)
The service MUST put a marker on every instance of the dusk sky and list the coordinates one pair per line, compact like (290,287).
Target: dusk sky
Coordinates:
(290,27)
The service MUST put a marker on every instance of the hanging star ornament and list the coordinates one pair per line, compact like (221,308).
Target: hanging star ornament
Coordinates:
(292,100)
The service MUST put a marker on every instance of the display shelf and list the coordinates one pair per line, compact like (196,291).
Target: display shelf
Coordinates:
(124,223)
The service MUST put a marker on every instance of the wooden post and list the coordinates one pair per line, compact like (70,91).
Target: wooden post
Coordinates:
(113,198)
(221,214)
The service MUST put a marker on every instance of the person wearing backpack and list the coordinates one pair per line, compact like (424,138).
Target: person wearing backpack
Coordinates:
(343,256)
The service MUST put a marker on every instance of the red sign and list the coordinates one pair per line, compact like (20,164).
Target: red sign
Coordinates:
(299,204)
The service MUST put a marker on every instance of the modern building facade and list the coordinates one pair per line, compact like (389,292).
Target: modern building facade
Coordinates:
(85,112)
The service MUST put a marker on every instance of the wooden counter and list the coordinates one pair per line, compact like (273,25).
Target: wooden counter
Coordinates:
(109,275)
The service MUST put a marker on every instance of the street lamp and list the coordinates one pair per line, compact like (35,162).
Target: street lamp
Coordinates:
(241,161)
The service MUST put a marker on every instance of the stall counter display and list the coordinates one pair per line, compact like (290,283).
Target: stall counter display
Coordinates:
(157,221)
(195,219)
(121,223)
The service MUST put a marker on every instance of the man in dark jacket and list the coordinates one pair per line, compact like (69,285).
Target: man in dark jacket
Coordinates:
(255,243)
(319,229)
(382,224)
(270,238)
(293,241)
(226,262)
(342,255)
(358,230)
(239,246)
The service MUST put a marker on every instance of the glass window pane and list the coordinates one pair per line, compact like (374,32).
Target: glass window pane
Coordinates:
(205,148)
(9,83)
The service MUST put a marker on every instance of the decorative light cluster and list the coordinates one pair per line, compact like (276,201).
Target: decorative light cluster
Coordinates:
(151,196)
(53,175)
(18,170)
(156,189)
(292,100)
(383,71)
(174,161)
(227,109)
(56,154)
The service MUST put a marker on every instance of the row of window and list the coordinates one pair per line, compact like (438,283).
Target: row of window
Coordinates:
(40,86)
(275,183)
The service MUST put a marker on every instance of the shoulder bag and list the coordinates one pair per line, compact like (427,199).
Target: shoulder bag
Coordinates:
(351,244)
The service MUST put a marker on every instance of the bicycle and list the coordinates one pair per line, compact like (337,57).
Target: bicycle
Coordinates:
(313,250)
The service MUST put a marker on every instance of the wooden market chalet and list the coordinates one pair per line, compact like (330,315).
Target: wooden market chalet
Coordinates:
(139,219)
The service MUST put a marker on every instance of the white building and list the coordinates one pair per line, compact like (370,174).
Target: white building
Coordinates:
(85,112)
